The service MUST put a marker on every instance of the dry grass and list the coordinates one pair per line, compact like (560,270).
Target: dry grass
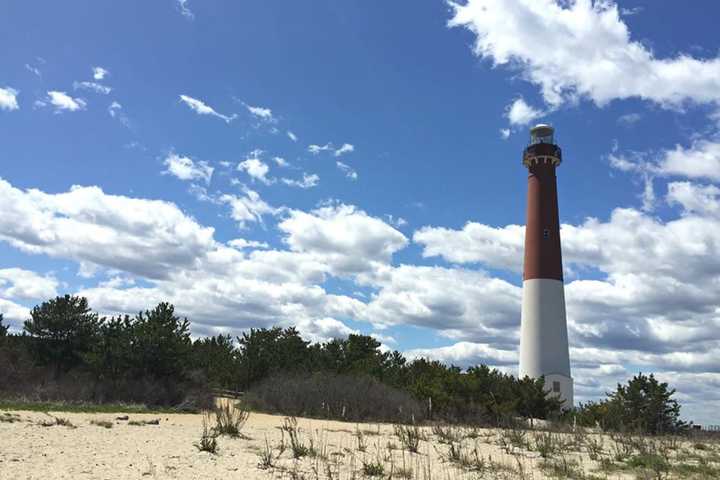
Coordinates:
(296,448)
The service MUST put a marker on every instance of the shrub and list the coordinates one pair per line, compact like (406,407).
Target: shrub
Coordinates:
(340,397)
(297,446)
(101,423)
(409,436)
(230,419)
(373,469)
(208,439)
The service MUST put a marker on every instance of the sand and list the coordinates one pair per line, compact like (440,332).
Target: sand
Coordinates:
(29,450)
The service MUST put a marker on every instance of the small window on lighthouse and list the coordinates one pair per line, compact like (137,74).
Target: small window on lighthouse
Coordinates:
(546,233)
(556,387)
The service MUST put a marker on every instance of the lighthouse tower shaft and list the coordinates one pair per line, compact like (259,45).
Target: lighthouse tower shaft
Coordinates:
(543,331)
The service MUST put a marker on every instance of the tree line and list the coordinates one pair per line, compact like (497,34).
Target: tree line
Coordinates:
(68,352)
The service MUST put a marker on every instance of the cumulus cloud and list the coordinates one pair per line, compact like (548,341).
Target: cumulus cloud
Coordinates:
(456,302)
(466,354)
(520,113)
(307,181)
(8,99)
(248,207)
(18,283)
(346,238)
(292,136)
(347,170)
(13,313)
(99,73)
(694,198)
(93,86)
(199,107)
(582,49)
(497,247)
(241,243)
(61,101)
(256,168)
(185,168)
(701,160)
(150,238)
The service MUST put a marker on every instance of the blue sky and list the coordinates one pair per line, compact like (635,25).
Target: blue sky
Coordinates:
(355,166)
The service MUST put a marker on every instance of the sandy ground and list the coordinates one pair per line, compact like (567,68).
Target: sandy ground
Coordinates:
(29,450)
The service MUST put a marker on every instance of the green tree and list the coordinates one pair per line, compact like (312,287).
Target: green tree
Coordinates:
(63,330)
(3,328)
(533,399)
(217,358)
(265,351)
(161,345)
(645,405)
(110,355)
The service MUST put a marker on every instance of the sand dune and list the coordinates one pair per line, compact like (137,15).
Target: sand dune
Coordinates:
(29,450)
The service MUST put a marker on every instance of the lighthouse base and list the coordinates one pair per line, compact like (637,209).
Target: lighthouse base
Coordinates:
(543,337)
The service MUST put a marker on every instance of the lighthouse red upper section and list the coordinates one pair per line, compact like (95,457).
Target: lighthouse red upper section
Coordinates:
(543,257)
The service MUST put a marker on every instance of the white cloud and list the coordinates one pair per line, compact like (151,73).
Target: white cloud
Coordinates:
(308,181)
(281,162)
(23,284)
(582,49)
(99,73)
(694,198)
(629,119)
(115,110)
(701,160)
(256,168)
(292,136)
(150,238)
(241,243)
(264,114)
(94,86)
(202,109)
(8,99)
(184,10)
(458,303)
(185,168)
(34,70)
(504,133)
(520,113)
(346,238)
(13,314)
(347,169)
(329,147)
(62,101)
(499,247)
(396,221)
(467,354)
(247,208)
(346,148)
(315,149)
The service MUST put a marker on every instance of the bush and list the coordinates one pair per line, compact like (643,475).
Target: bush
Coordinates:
(339,397)
(230,419)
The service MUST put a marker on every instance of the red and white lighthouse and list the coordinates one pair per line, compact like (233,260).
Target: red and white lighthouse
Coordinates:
(543,331)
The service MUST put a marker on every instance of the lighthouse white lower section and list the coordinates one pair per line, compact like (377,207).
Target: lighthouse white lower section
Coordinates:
(543,337)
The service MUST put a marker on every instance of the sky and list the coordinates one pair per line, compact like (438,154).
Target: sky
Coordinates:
(355,166)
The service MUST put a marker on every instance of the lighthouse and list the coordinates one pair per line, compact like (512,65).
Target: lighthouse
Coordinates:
(543,330)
